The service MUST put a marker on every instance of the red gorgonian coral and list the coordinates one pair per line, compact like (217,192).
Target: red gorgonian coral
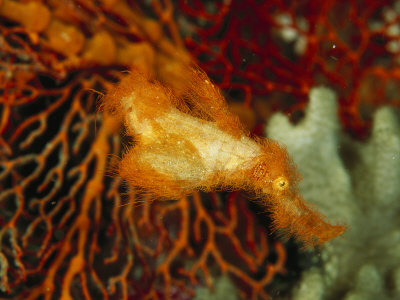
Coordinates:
(278,50)
(70,231)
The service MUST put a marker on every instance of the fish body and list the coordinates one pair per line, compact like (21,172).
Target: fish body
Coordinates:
(186,139)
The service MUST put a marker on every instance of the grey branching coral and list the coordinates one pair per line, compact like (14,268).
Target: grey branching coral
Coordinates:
(354,183)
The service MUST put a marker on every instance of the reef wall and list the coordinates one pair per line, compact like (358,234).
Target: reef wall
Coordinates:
(355,183)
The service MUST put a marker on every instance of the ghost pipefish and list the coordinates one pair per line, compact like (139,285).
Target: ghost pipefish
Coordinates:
(186,139)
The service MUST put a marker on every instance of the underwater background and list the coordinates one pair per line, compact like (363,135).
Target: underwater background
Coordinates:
(320,77)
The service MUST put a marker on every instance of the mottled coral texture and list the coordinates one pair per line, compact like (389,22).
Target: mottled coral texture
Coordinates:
(352,182)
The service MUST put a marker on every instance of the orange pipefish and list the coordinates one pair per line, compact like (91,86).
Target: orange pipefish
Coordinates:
(186,139)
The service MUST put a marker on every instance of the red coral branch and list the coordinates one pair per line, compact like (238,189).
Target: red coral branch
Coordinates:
(69,230)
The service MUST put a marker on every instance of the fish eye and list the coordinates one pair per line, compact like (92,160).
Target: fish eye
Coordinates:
(281,183)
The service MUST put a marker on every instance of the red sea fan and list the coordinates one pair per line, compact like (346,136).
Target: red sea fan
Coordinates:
(274,52)
(66,231)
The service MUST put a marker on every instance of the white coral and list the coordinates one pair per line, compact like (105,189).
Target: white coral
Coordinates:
(354,183)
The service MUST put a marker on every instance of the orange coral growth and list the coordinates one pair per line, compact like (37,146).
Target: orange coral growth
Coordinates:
(188,140)
(65,229)
(70,35)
